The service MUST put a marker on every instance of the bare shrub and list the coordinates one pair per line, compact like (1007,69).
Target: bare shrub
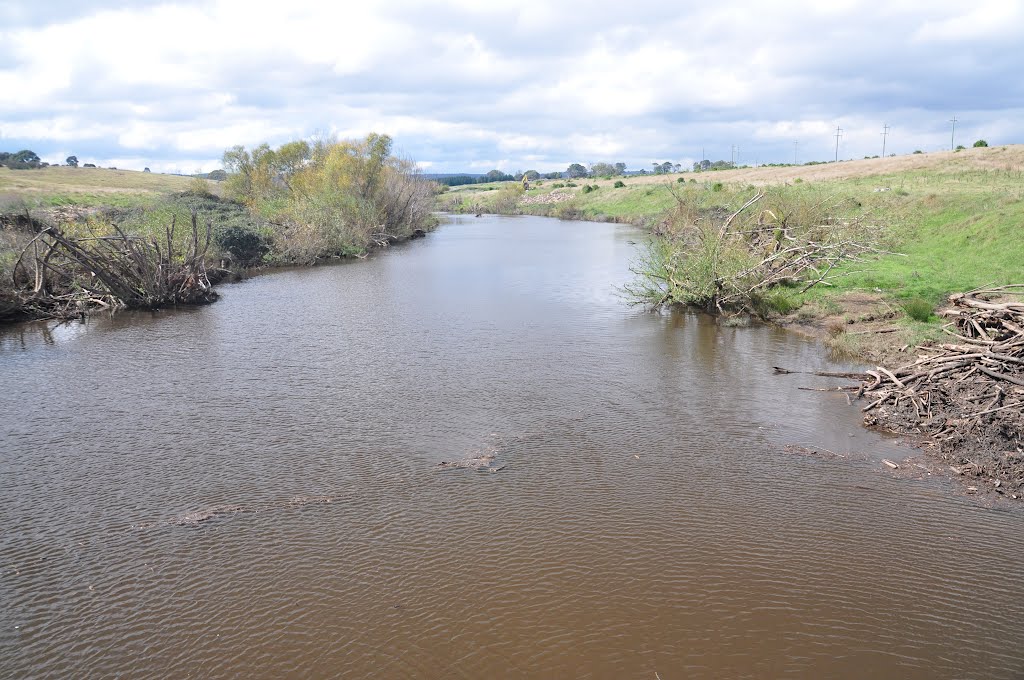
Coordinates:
(728,259)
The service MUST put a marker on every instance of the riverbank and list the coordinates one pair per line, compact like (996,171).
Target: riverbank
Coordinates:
(948,222)
(45,254)
(76,240)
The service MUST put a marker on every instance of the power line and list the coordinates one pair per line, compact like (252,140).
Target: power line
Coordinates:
(952,133)
(885,133)
(839,133)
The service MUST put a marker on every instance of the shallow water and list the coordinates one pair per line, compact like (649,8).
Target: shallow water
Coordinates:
(648,518)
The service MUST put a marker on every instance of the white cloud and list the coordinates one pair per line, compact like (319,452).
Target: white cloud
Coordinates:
(979,21)
(467,84)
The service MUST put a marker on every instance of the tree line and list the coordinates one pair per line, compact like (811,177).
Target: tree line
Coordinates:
(21,160)
(26,159)
(573,171)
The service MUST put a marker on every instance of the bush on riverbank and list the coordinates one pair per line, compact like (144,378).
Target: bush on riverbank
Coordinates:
(330,198)
(293,205)
(734,257)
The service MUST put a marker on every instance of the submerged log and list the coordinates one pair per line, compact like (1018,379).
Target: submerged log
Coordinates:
(826,374)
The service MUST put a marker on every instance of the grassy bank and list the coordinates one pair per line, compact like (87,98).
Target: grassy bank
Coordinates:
(954,221)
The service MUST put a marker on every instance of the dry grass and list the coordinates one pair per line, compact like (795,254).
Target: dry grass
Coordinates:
(59,181)
(1009,157)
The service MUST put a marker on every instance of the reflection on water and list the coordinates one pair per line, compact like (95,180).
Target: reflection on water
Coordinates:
(647,520)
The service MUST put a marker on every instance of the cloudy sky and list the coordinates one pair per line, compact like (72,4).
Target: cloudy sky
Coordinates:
(471,85)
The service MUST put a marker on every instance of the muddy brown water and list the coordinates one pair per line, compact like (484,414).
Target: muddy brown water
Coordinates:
(649,517)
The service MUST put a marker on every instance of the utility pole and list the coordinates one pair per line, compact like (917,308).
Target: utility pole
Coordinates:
(952,133)
(885,133)
(839,133)
(796,147)
(732,155)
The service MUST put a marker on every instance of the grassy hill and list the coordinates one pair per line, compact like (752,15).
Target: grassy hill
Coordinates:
(59,185)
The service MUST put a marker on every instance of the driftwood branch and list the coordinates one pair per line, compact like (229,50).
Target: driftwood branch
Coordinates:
(969,396)
(59,275)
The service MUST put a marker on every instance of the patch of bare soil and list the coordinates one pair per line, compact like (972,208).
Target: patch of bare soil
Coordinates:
(858,325)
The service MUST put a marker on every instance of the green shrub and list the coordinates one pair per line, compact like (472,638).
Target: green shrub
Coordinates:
(917,151)
(774,302)
(567,211)
(558,185)
(959,147)
(571,184)
(798,180)
(918,309)
(245,246)
(980,143)
(507,202)
(681,180)
(619,184)
(587,188)
(717,186)
(693,181)
(199,186)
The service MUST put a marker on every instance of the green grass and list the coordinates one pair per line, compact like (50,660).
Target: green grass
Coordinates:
(955,226)
(957,243)
(918,309)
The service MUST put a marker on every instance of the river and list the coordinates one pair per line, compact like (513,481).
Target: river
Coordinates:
(651,516)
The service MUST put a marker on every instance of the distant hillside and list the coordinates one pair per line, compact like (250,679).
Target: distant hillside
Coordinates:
(61,184)
(1008,157)
(446,175)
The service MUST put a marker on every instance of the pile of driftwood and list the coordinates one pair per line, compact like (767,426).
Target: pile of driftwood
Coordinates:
(968,394)
(62,276)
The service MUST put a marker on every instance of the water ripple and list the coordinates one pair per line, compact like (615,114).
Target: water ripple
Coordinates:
(652,515)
